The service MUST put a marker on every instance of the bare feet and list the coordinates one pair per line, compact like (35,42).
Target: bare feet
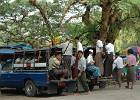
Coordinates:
(88,93)
(76,94)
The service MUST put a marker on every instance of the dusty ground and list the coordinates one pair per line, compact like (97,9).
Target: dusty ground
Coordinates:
(110,93)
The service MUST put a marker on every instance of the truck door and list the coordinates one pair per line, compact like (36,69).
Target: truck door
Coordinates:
(5,76)
(4,79)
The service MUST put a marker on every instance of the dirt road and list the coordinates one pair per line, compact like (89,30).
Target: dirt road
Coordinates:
(110,93)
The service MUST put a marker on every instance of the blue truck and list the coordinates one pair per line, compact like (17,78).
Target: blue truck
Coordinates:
(31,74)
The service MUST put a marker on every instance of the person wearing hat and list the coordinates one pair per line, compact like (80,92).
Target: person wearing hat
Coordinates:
(54,66)
(91,68)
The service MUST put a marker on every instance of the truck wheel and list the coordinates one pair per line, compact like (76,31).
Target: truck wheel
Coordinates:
(102,84)
(30,89)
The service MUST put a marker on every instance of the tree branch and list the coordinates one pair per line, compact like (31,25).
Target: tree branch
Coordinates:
(72,17)
(45,17)
(66,9)
(128,18)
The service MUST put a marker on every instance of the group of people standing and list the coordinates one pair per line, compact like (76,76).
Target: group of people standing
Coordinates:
(112,63)
(75,64)
(104,57)
(119,65)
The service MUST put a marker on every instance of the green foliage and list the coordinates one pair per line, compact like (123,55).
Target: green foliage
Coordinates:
(17,24)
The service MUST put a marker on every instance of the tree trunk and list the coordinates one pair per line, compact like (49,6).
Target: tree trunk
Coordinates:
(106,12)
(86,17)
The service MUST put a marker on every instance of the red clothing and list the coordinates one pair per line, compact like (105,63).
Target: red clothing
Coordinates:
(75,69)
(138,48)
(131,60)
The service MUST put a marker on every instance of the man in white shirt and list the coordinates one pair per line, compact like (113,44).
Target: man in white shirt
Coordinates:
(67,49)
(79,44)
(109,59)
(98,56)
(118,62)
(109,48)
(117,68)
(99,46)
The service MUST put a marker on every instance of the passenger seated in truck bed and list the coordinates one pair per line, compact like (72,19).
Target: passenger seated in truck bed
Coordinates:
(54,67)
(18,61)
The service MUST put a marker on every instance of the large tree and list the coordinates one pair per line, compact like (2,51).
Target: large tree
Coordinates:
(116,15)
(38,22)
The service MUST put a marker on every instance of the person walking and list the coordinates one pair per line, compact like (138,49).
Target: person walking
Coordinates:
(131,68)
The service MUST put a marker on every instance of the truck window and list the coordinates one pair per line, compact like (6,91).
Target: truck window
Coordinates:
(7,65)
(31,59)
(6,61)
(41,56)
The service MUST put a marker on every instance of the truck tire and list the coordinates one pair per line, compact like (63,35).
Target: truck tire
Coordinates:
(30,89)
